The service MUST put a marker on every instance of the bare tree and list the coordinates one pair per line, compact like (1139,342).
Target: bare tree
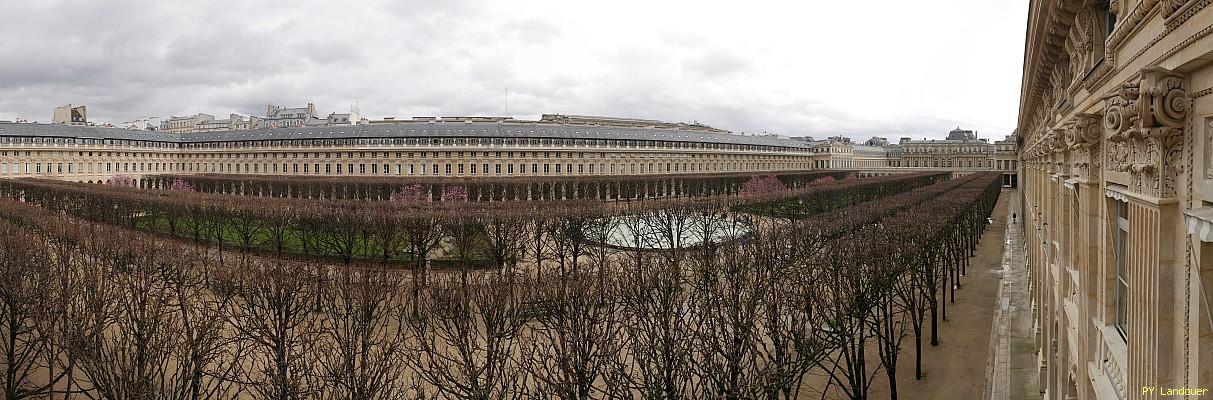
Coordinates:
(466,338)
(910,292)
(273,310)
(208,354)
(573,349)
(386,232)
(851,294)
(125,346)
(505,236)
(362,354)
(26,301)
(890,316)
(659,333)
(280,219)
(247,225)
(422,234)
(727,293)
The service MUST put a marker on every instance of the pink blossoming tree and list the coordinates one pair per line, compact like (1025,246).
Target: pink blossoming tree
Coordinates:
(455,193)
(410,194)
(122,181)
(762,184)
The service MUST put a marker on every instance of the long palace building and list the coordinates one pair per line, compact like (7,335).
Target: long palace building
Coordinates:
(557,145)
(1116,120)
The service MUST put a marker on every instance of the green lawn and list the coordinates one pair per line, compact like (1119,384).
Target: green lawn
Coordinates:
(263,242)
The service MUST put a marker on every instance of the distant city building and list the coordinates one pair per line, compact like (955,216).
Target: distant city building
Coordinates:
(234,122)
(624,122)
(877,141)
(418,120)
(142,124)
(177,124)
(961,134)
(207,123)
(350,118)
(962,154)
(70,115)
(960,151)
(280,117)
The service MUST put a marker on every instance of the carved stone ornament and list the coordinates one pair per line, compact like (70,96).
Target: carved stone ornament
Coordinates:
(1057,140)
(1145,123)
(1083,131)
(1209,151)
(1082,136)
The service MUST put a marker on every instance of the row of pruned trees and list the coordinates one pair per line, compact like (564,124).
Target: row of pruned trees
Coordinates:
(892,279)
(617,188)
(752,315)
(404,231)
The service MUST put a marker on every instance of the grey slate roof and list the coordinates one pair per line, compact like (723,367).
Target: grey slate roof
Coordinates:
(402,130)
(862,148)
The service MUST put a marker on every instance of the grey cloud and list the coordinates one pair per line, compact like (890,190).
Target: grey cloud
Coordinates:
(128,59)
(532,31)
(716,63)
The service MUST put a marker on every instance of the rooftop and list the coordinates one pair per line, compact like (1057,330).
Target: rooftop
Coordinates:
(504,129)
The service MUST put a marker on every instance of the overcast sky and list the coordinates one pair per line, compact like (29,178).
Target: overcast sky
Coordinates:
(857,68)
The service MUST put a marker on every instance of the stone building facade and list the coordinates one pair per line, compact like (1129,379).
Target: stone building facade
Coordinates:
(429,146)
(286,117)
(961,153)
(433,148)
(70,115)
(207,123)
(1117,131)
(962,150)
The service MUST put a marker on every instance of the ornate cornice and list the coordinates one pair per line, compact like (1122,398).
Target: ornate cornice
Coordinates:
(1049,49)
(1179,11)
(1127,24)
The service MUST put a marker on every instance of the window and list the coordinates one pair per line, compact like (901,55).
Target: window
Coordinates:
(1105,23)
(1105,20)
(1120,239)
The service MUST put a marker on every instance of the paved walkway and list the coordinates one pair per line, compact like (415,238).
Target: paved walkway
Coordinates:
(1013,372)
